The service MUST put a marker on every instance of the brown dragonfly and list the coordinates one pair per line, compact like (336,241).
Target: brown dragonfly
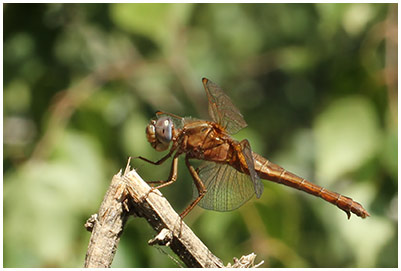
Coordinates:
(230,172)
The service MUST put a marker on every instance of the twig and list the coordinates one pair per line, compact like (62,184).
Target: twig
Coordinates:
(129,194)
(247,261)
(106,226)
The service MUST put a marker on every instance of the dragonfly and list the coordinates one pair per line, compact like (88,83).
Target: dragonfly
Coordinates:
(230,172)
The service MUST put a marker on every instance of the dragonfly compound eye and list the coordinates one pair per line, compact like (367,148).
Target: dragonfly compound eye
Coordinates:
(164,130)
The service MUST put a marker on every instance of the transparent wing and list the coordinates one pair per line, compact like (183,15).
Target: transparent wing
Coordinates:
(247,152)
(227,188)
(221,109)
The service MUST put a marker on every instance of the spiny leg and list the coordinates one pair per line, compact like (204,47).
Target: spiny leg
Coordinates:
(199,185)
(172,177)
(160,161)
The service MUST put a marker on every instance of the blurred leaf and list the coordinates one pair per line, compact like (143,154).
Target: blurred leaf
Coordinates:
(347,135)
(17,97)
(389,153)
(19,47)
(331,15)
(145,19)
(52,198)
(134,136)
(150,20)
(296,59)
(246,39)
(356,232)
(356,17)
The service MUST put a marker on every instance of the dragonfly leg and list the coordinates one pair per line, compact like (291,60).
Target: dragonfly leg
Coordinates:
(159,162)
(171,179)
(199,185)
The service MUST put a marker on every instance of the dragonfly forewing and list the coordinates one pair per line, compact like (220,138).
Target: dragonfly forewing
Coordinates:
(221,108)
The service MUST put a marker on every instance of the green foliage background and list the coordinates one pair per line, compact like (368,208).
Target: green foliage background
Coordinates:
(317,84)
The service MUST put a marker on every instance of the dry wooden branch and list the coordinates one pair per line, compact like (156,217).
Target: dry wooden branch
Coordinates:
(160,215)
(106,226)
(129,194)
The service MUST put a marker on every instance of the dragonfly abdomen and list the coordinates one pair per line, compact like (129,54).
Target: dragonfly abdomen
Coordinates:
(272,172)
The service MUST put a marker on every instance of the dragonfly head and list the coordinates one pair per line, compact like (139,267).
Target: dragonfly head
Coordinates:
(159,133)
